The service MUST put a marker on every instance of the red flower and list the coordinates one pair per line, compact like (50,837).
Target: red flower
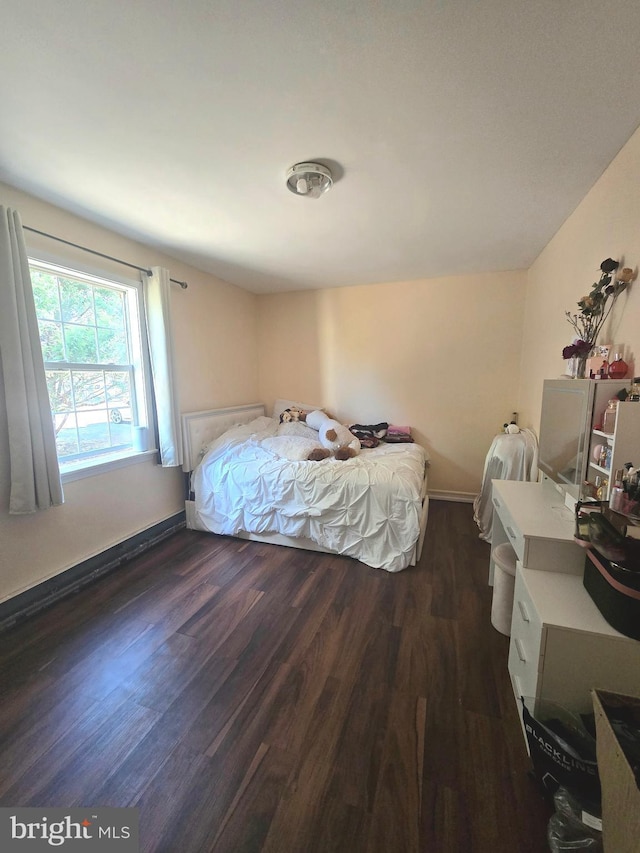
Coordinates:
(578,348)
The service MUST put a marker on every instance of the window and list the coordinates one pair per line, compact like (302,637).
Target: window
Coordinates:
(91,338)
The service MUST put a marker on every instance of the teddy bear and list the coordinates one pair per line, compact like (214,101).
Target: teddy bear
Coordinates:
(293,414)
(334,437)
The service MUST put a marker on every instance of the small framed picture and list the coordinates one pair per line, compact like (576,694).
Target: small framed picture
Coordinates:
(602,351)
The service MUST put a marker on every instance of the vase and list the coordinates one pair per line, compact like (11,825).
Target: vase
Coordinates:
(577,367)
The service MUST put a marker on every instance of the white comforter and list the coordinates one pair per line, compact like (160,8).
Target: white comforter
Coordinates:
(253,479)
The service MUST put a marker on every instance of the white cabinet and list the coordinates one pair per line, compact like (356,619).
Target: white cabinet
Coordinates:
(534,519)
(624,442)
(561,647)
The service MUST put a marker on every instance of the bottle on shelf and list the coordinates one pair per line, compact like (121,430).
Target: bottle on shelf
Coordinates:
(609,419)
(602,456)
(616,497)
(618,367)
(634,391)
(603,486)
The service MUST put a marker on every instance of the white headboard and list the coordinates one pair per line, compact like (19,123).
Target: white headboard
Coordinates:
(199,428)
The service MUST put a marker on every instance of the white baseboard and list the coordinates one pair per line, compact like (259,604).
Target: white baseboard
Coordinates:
(462,497)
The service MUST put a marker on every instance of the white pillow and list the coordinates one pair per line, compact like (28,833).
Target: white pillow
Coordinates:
(297,428)
(280,405)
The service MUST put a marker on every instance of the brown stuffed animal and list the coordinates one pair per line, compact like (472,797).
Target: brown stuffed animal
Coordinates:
(292,414)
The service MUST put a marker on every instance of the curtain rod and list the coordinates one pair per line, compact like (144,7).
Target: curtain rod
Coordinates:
(183,284)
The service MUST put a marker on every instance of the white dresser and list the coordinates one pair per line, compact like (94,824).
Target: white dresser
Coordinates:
(561,646)
(533,518)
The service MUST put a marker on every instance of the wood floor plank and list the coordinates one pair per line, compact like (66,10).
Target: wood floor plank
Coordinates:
(308,674)
(299,814)
(491,819)
(475,645)
(249,697)
(146,763)
(171,794)
(395,823)
(39,731)
(77,740)
(359,751)
(444,820)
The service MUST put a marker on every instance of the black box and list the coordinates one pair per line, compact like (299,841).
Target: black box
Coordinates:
(615,592)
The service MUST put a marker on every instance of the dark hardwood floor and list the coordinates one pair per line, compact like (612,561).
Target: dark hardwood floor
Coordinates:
(248,697)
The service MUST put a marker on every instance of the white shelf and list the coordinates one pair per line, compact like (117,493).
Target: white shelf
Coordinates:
(625,440)
(607,435)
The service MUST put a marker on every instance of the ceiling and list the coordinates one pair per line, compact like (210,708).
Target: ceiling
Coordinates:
(461,133)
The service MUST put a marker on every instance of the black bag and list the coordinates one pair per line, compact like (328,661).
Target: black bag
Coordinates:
(562,751)
(615,590)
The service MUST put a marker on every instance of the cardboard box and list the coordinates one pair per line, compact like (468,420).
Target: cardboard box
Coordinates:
(620,793)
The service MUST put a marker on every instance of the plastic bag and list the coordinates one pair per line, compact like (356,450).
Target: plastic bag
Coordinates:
(571,828)
(562,751)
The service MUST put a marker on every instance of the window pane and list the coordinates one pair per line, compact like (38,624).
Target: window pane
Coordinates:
(66,434)
(51,340)
(77,302)
(112,346)
(109,308)
(118,387)
(88,390)
(45,294)
(80,343)
(93,429)
(59,387)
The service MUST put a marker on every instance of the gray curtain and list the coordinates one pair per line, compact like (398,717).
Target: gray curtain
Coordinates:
(35,475)
(157,298)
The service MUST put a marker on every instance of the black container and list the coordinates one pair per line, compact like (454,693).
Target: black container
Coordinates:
(615,592)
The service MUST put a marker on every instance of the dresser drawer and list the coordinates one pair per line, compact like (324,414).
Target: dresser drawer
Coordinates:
(510,528)
(526,650)
(523,667)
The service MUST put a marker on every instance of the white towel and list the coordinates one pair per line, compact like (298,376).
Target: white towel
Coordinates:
(510,457)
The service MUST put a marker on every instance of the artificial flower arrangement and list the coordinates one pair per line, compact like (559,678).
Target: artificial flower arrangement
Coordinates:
(595,308)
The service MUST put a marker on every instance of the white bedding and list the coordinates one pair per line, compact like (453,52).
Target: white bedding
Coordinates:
(253,479)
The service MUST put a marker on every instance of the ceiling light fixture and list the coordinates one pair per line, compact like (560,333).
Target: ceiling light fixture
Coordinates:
(309,179)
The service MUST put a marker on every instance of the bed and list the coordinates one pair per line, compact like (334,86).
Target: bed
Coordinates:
(248,476)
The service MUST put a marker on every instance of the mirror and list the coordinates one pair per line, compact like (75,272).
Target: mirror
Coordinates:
(565,424)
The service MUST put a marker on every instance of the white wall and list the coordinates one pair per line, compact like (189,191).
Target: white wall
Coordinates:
(441,355)
(605,224)
(215,333)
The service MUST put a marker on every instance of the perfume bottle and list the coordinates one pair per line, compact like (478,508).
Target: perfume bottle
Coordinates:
(602,489)
(616,495)
(609,419)
(618,367)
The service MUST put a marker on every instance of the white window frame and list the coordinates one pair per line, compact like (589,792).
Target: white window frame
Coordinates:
(141,388)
